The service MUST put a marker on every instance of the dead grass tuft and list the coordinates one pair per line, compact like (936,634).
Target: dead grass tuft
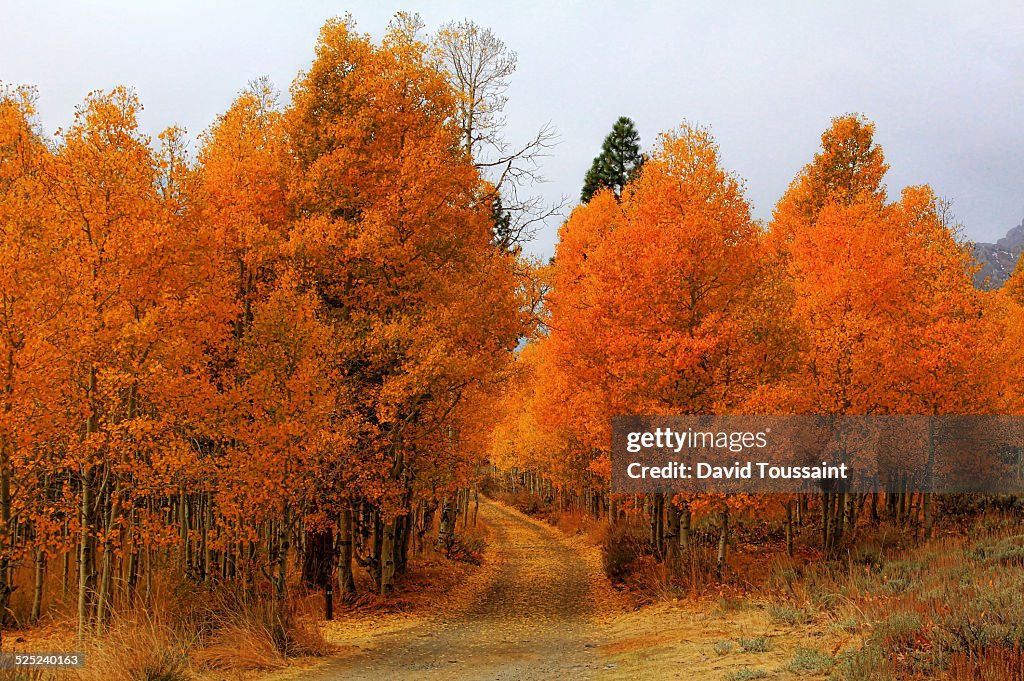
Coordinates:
(241,645)
(138,647)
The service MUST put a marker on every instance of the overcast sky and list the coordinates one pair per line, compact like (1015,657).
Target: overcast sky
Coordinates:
(942,80)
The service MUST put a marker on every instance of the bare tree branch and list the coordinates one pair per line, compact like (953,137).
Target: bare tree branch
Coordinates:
(479,67)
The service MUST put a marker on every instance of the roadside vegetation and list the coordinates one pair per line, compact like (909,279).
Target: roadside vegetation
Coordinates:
(888,605)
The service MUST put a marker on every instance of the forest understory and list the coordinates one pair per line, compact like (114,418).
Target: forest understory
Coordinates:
(550,598)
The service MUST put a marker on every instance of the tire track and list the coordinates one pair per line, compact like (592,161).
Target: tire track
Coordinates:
(531,621)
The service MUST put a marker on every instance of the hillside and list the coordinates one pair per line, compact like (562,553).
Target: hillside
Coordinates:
(998,260)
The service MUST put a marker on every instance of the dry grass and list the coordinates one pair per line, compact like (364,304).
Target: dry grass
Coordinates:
(186,629)
(577,524)
(34,675)
(138,647)
(241,646)
(252,632)
(950,609)
(991,664)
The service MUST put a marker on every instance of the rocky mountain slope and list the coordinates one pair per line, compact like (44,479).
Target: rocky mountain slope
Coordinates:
(998,260)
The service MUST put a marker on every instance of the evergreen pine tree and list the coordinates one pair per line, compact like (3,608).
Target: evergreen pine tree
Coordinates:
(504,233)
(618,162)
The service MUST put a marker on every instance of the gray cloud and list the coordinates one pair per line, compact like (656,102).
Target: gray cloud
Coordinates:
(941,79)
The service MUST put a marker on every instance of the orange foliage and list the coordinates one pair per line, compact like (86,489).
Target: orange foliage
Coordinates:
(308,319)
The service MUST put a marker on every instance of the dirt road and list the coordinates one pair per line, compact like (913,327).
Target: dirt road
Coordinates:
(541,609)
(532,619)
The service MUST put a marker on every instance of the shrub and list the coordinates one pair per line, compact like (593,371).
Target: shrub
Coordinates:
(869,555)
(992,617)
(866,664)
(746,674)
(1008,551)
(723,647)
(465,549)
(810,661)
(850,625)
(530,504)
(784,614)
(896,585)
(899,630)
(619,552)
(904,569)
(758,644)
(827,600)
(784,577)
